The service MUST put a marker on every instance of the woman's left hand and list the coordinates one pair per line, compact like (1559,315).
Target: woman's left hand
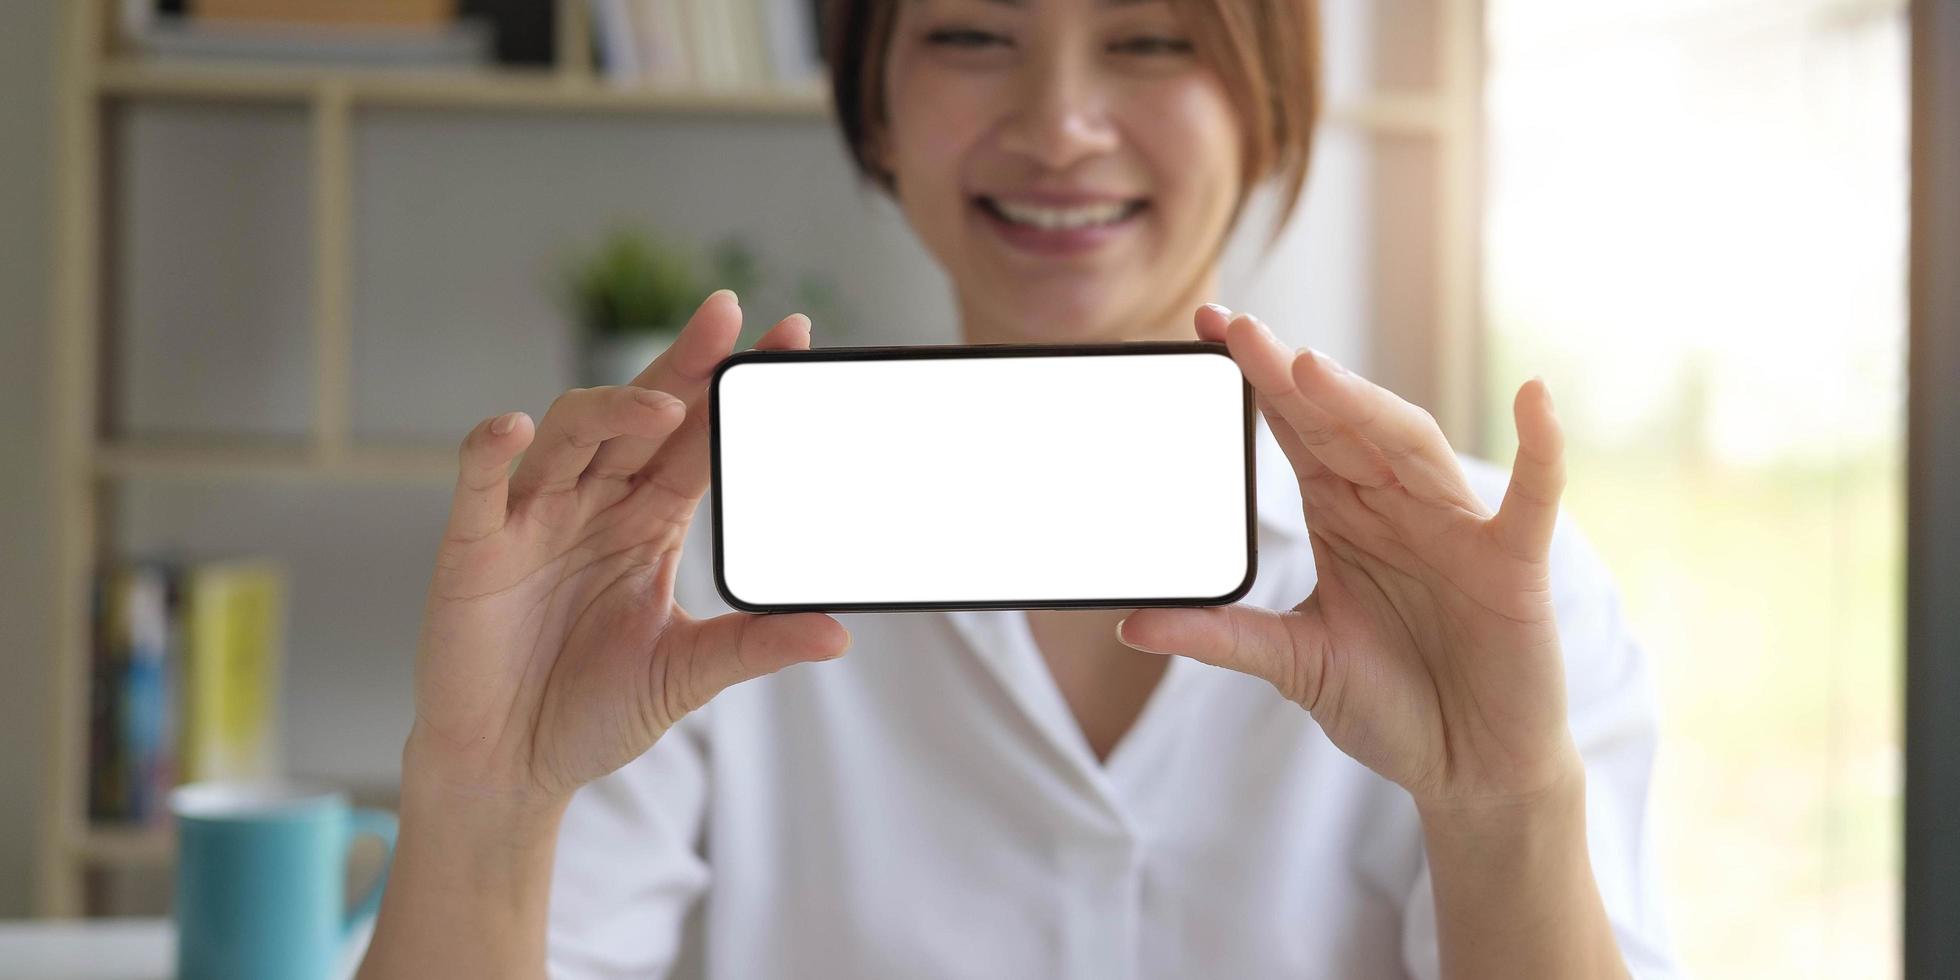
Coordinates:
(1428,649)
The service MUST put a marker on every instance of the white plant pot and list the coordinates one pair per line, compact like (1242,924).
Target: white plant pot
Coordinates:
(616,359)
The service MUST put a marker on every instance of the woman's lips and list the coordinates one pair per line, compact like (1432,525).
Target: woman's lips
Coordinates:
(1056,241)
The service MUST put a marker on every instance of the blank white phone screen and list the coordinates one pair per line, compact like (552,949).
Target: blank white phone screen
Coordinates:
(997,479)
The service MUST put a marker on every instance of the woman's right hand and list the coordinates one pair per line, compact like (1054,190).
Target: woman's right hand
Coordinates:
(552,650)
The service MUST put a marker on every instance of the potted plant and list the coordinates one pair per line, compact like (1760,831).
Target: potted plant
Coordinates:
(631,297)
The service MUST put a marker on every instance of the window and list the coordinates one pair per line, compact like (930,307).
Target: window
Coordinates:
(1696,231)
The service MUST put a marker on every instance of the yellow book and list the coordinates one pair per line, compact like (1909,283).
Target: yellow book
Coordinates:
(235,634)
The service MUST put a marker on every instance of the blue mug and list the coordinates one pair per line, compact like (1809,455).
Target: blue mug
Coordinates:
(261,871)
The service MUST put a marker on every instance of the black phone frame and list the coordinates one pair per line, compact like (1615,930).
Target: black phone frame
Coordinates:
(967,351)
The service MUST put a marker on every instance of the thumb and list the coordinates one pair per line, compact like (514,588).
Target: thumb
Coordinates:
(1286,649)
(716,654)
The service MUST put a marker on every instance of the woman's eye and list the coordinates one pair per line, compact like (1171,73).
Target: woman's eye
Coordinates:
(1153,45)
(963,37)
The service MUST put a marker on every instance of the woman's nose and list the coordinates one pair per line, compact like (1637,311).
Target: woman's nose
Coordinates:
(1060,115)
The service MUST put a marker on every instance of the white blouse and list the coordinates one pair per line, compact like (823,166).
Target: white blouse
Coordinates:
(928,807)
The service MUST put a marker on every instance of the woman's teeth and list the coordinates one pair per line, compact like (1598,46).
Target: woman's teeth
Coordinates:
(1064,219)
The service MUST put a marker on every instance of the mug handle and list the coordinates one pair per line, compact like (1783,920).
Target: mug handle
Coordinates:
(381,825)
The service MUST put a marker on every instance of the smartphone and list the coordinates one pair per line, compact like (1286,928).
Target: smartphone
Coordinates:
(996,476)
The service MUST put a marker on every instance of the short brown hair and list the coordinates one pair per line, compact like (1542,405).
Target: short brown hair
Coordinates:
(1267,53)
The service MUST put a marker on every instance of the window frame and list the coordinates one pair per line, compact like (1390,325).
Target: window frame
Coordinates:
(1932,674)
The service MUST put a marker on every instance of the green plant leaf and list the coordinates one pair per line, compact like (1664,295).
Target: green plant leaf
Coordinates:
(634,282)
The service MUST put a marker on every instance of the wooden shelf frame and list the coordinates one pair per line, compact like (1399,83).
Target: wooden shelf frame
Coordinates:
(112,845)
(126,847)
(75,351)
(505,90)
(561,92)
(207,460)
(85,467)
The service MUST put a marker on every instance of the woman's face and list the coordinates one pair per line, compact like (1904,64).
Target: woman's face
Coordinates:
(1072,164)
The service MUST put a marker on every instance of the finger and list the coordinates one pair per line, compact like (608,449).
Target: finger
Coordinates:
(683,369)
(1288,649)
(1210,320)
(1213,323)
(681,466)
(711,655)
(626,456)
(1407,437)
(1529,512)
(1267,363)
(1306,466)
(579,422)
(479,506)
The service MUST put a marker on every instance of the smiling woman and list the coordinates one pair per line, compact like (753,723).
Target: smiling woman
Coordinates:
(1193,105)
(1267,58)
(1426,753)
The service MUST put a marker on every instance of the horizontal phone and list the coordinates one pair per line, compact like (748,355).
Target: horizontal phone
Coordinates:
(999,476)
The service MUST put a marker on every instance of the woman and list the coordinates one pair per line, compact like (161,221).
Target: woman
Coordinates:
(1386,780)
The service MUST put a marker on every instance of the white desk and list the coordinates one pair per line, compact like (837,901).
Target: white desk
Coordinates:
(105,949)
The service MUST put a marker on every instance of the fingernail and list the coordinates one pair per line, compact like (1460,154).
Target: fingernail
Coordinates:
(504,424)
(1329,363)
(1127,643)
(737,300)
(1220,310)
(653,399)
(1548,392)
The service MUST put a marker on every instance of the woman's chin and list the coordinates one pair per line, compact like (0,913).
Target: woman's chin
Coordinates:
(1052,318)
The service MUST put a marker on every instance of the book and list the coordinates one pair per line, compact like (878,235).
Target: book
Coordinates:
(748,43)
(184,680)
(235,633)
(711,43)
(133,711)
(526,30)
(662,30)
(724,45)
(795,46)
(614,33)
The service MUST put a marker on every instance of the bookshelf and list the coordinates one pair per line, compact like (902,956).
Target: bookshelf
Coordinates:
(508,90)
(88,465)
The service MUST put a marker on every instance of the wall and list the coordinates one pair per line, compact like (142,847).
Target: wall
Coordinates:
(27,45)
